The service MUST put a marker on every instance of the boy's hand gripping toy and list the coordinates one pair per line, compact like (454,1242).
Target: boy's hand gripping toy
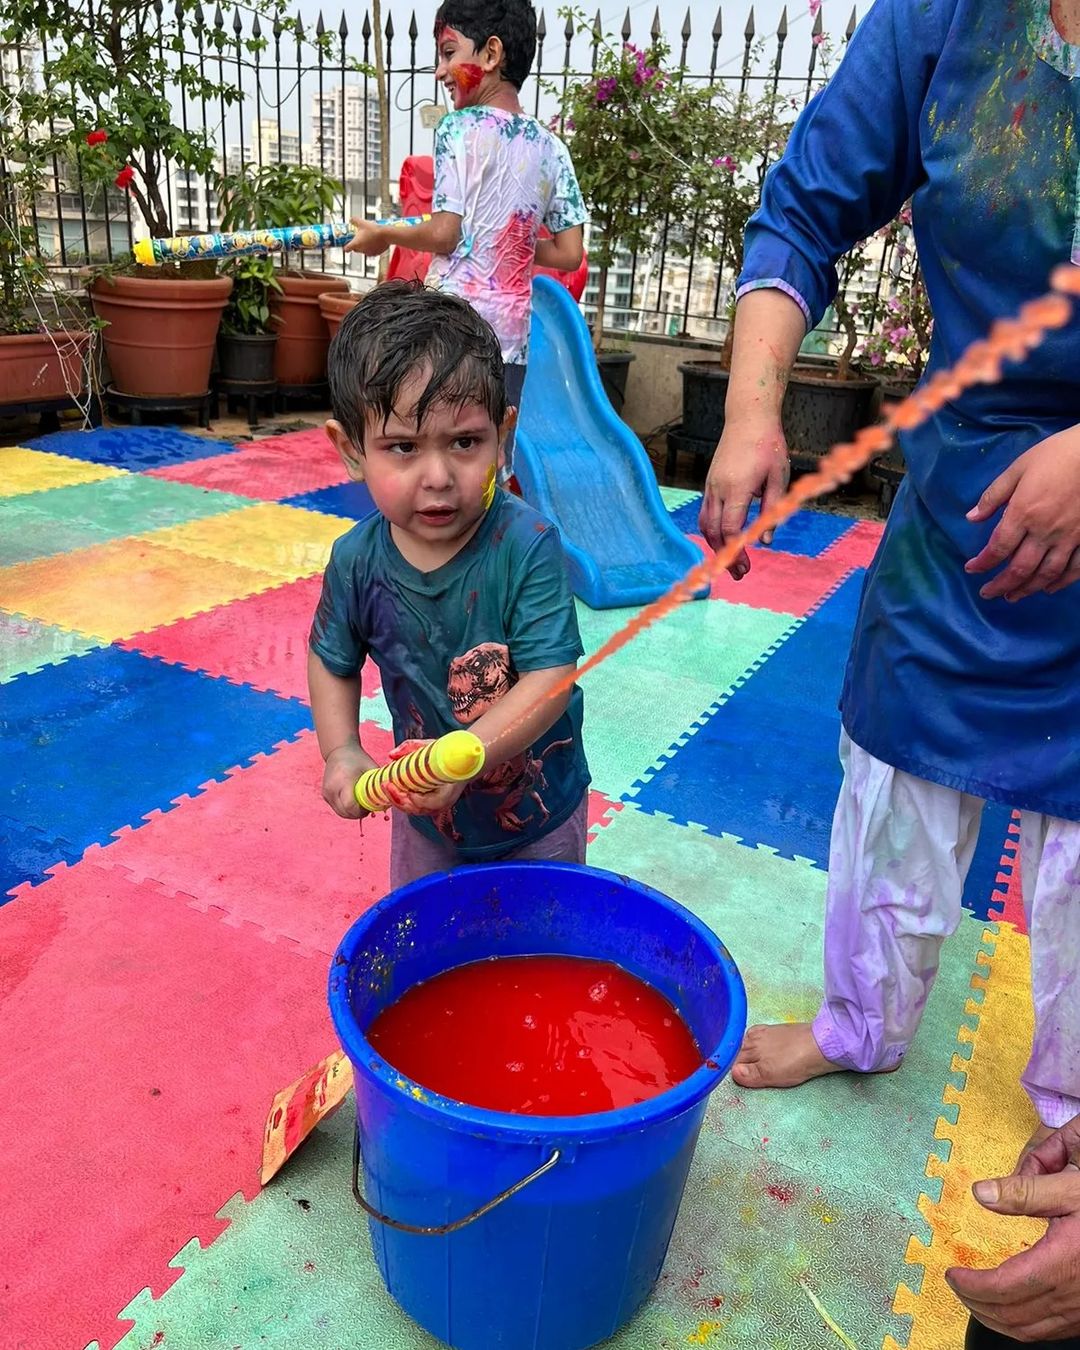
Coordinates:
(235,243)
(453,758)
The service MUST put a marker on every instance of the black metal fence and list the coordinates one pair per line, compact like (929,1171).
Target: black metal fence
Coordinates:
(308,95)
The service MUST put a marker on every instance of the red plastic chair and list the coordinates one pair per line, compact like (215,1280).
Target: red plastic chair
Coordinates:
(417,184)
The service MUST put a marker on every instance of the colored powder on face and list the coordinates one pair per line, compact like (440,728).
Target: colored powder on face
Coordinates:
(467,76)
(537,1035)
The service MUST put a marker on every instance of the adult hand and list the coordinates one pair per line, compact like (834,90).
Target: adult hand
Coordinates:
(1034,1296)
(1039,533)
(750,461)
(368,238)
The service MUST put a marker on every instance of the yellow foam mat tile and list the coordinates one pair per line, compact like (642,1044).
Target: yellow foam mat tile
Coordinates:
(129,586)
(994,1122)
(23,470)
(285,540)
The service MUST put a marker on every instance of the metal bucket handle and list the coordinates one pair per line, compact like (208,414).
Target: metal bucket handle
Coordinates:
(440,1230)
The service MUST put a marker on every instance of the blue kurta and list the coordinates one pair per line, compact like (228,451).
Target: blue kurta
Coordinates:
(971,109)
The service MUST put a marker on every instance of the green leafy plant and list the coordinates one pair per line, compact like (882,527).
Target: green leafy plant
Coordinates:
(32,298)
(898,346)
(649,145)
(104,79)
(277,195)
(248,311)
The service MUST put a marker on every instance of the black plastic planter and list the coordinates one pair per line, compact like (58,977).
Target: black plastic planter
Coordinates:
(247,359)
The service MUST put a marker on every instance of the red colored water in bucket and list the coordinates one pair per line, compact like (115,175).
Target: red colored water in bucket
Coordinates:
(537,1035)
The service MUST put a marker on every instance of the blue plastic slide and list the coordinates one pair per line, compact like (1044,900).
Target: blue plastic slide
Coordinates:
(582,466)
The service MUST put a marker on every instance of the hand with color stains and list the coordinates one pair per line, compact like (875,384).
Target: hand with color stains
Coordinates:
(343,767)
(751,461)
(1035,1295)
(432,803)
(1038,536)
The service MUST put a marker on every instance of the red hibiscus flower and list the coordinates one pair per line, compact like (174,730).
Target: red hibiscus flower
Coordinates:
(125,176)
(96,137)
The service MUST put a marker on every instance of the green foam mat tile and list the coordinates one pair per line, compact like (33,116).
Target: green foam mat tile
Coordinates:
(873,1131)
(294,1268)
(673,497)
(638,704)
(27,645)
(26,533)
(129,504)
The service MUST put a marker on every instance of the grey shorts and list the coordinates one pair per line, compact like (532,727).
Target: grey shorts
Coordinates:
(414,855)
(515,382)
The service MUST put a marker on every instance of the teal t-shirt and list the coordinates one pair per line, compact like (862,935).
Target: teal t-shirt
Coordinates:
(449,644)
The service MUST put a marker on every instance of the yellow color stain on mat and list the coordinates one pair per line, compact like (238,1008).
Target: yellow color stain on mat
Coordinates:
(285,540)
(125,587)
(23,470)
(995,1122)
(704,1333)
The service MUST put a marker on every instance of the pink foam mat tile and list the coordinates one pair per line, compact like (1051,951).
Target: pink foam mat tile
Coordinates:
(599,806)
(857,547)
(264,847)
(786,583)
(141,1044)
(263,644)
(268,470)
(1009,895)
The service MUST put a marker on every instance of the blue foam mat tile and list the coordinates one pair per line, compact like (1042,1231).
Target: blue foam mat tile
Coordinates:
(26,854)
(107,737)
(809,532)
(346,499)
(982,876)
(132,448)
(764,766)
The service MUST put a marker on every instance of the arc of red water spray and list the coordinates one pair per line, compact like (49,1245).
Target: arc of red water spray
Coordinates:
(1008,340)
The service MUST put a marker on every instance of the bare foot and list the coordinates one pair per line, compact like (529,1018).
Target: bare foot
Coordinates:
(1041,1133)
(780,1057)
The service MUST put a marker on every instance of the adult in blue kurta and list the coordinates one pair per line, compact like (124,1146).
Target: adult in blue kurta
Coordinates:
(953,693)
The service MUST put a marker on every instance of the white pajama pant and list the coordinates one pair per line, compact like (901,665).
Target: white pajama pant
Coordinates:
(900,851)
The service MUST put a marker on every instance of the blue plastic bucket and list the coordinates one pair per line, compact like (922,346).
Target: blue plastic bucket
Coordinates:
(562,1261)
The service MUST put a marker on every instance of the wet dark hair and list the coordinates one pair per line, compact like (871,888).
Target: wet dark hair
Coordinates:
(401,327)
(513,22)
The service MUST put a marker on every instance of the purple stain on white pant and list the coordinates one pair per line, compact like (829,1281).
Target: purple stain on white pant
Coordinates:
(900,852)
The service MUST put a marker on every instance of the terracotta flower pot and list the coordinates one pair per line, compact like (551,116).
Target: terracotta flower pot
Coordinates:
(300,357)
(334,307)
(162,332)
(33,370)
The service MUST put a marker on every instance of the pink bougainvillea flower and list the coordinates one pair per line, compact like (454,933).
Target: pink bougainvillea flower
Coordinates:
(605,87)
(96,137)
(815,8)
(819,38)
(125,177)
(726,162)
(635,154)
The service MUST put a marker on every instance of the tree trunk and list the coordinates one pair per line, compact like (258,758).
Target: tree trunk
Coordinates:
(384,126)
(601,305)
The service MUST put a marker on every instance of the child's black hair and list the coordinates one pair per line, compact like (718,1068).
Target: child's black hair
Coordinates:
(399,328)
(513,22)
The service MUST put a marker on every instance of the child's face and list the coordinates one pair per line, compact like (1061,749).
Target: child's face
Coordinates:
(462,69)
(428,481)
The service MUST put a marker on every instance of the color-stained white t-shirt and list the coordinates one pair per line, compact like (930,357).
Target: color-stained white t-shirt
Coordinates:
(505,174)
